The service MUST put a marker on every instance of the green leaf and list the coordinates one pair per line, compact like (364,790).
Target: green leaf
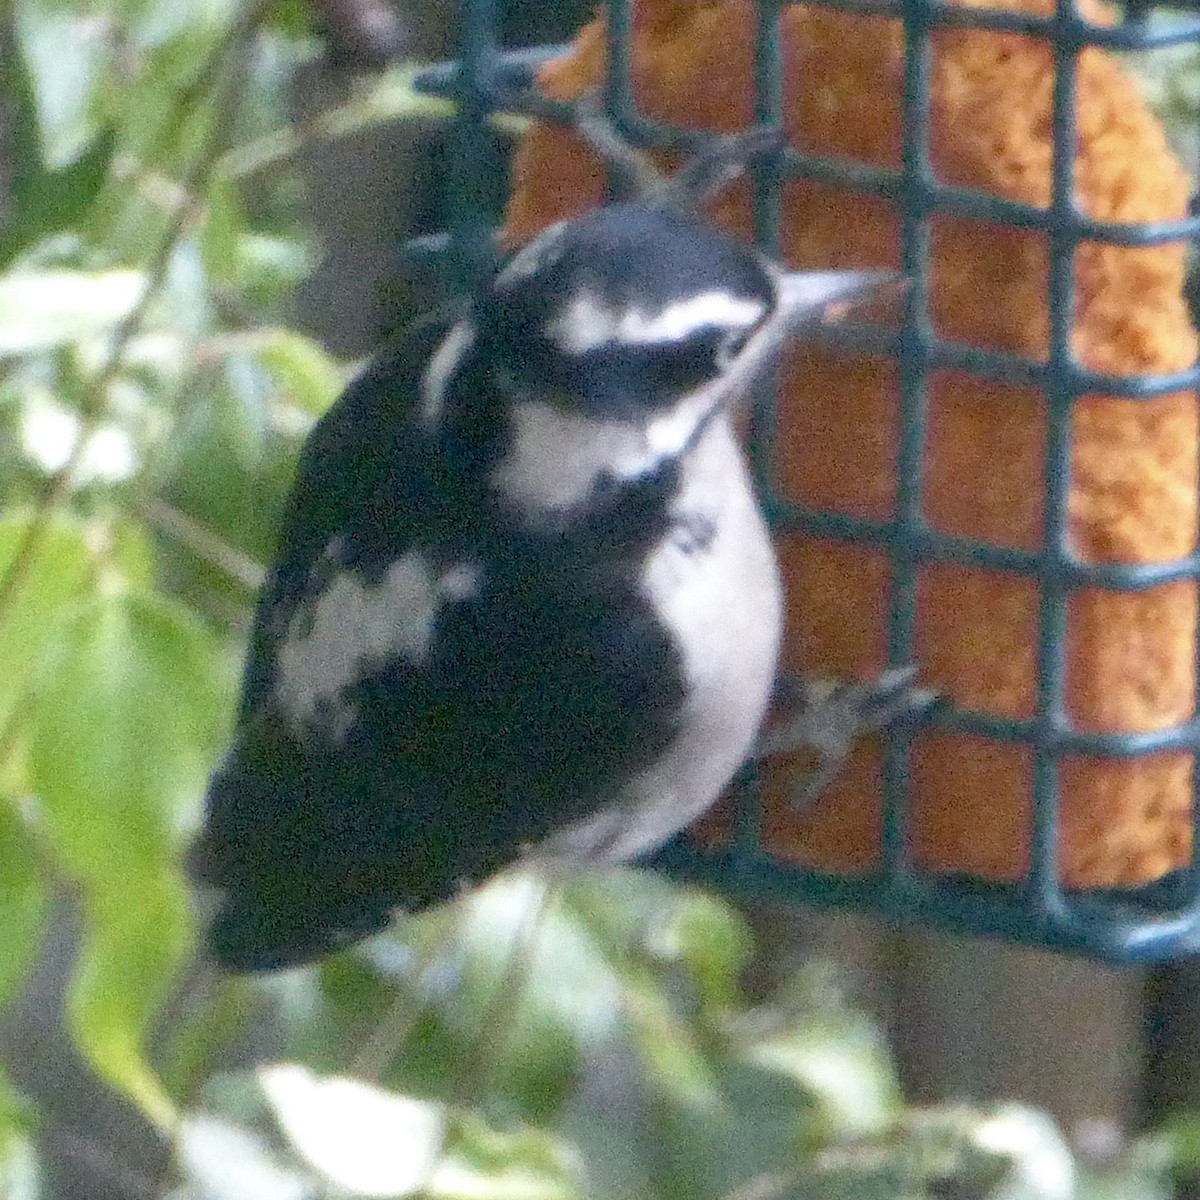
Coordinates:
(138,933)
(42,201)
(130,552)
(22,911)
(292,17)
(246,414)
(22,906)
(307,375)
(58,575)
(372,1142)
(19,1176)
(1177,1142)
(123,725)
(270,268)
(66,49)
(545,975)
(43,309)
(1007,1152)
(223,223)
(846,1071)
(218,1159)
(808,1033)
(709,940)
(184,301)
(218,1017)
(215,482)
(18,1163)
(1148,1168)
(549,999)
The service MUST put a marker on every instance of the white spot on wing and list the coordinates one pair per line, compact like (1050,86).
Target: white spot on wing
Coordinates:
(351,626)
(442,365)
(539,253)
(460,582)
(588,322)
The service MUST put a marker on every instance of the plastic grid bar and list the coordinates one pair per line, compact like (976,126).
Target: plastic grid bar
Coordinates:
(1154,923)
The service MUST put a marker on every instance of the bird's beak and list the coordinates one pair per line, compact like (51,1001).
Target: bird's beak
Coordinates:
(807,300)
(811,298)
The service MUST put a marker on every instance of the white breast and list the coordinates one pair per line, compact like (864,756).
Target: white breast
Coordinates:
(722,602)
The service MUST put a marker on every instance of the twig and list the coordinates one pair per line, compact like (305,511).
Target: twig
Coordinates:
(204,543)
(338,121)
(344,120)
(329,125)
(58,485)
(473,1078)
(391,1034)
(388,1036)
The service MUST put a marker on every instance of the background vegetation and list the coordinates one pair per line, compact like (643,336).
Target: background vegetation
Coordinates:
(153,394)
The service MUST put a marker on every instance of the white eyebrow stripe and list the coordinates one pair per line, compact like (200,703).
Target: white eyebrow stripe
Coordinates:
(442,365)
(589,323)
(678,320)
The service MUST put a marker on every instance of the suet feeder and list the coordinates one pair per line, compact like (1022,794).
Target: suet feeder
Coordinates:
(1000,485)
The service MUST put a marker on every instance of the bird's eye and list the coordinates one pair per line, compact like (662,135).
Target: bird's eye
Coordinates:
(730,346)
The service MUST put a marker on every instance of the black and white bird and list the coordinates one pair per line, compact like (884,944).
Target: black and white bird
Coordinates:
(525,604)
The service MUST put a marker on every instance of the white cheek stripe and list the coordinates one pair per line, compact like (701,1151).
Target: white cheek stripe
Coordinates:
(355,625)
(666,436)
(589,323)
(558,457)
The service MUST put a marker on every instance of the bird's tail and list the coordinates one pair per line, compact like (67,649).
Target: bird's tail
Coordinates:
(275,898)
(253,931)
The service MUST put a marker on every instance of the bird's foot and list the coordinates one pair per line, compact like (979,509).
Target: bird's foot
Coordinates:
(827,716)
(724,158)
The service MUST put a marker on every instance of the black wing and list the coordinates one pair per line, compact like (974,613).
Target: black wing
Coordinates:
(367,438)
(276,839)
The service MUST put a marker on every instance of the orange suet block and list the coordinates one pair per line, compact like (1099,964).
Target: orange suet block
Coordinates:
(1133,499)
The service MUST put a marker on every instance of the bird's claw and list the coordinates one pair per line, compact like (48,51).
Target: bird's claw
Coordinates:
(724,158)
(827,716)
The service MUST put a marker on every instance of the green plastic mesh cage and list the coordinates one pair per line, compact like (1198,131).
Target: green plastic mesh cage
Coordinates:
(1155,922)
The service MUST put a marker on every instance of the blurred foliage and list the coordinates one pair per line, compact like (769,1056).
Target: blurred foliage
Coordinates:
(1170,80)
(586,1040)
